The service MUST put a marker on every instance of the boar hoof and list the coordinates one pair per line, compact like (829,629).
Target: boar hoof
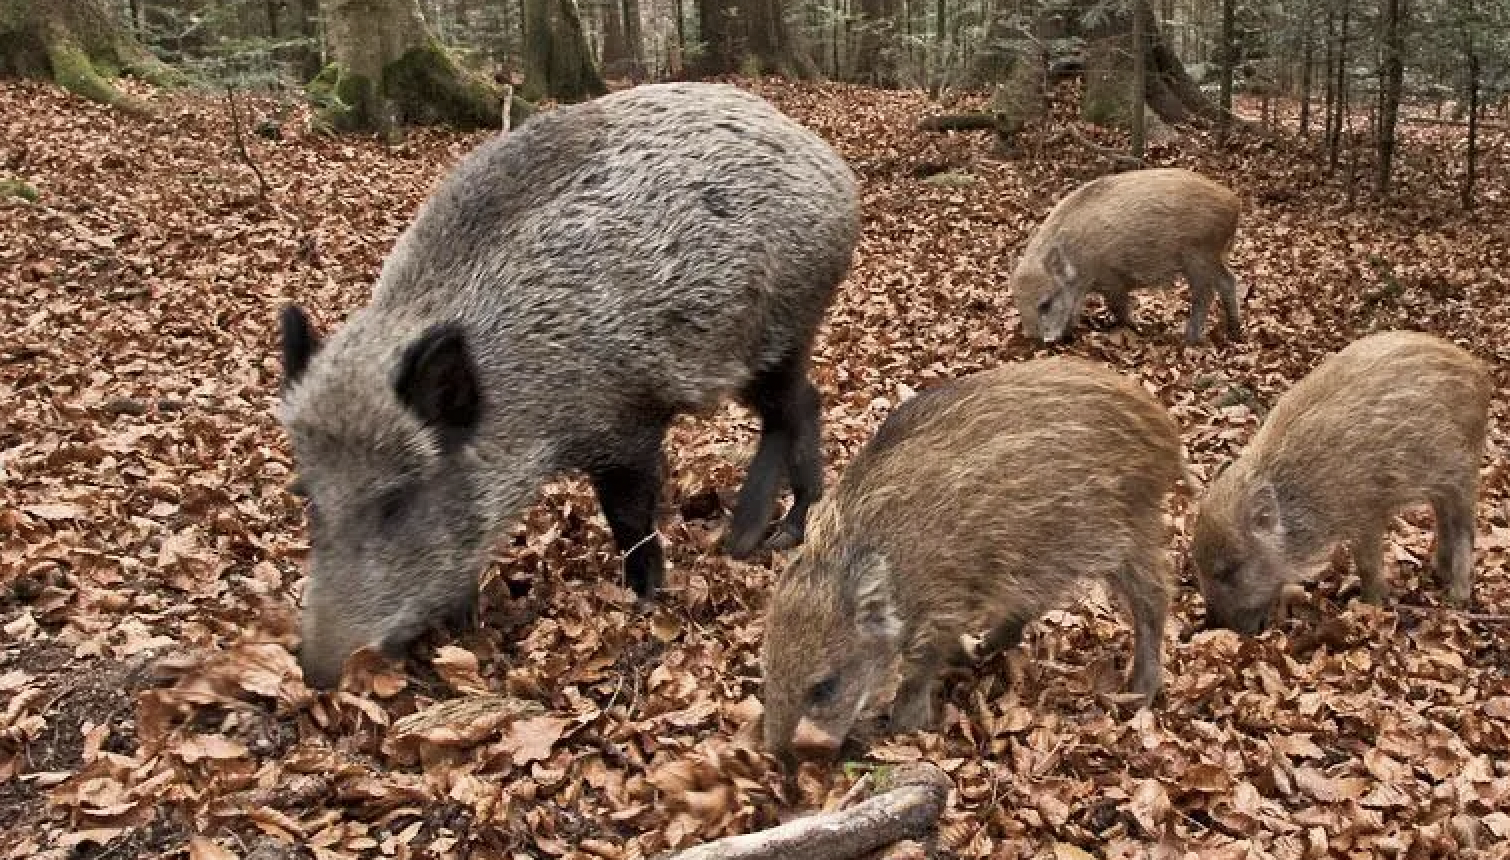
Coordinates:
(782,539)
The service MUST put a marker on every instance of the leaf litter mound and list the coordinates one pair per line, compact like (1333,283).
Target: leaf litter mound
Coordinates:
(150,555)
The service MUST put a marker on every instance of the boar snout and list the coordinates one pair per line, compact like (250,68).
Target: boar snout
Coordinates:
(1249,622)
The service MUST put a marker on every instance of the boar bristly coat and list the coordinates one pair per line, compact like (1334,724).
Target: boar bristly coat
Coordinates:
(978,505)
(1117,233)
(1394,419)
(565,292)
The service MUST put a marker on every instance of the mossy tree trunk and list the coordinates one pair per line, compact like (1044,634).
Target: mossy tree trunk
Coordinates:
(623,42)
(879,53)
(79,44)
(558,64)
(1168,89)
(750,35)
(388,69)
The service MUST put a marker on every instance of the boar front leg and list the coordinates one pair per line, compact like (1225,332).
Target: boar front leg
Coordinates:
(1368,555)
(787,404)
(628,495)
(1120,302)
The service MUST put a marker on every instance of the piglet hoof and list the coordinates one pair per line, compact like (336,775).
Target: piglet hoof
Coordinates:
(914,714)
(1459,596)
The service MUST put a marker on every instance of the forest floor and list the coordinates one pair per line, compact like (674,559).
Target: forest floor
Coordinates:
(150,555)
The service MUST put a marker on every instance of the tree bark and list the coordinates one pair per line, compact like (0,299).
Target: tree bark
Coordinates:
(1168,89)
(753,33)
(1307,61)
(1228,58)
(635,36)
(1471,49)
(614,58)
(1335,143)
(388,69)
(75,44)
(1139,83)
(878,53)
(558,64)
(1391,80)
(907,810)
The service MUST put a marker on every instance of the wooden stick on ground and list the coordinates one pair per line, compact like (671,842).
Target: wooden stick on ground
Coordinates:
(907,808)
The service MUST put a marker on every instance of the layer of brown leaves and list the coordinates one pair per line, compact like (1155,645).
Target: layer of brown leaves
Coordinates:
(151,556)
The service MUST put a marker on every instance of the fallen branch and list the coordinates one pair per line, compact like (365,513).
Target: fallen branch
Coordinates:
(906,809)
(246,155)
(1121,159)
(978,121)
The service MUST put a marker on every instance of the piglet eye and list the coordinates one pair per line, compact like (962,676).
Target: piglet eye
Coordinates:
(823,692)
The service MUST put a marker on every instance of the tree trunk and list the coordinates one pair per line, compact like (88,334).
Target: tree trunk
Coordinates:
(634,35)
(878,54)
(558,64)
(750,35)
(615,56)
(1335,145)
(1168,89)
(76,44)
(1228,58)
(996,59)
(1307,61)
(1391,79)
(1328,77)
(1470,173)
(1139,84)
(388,69)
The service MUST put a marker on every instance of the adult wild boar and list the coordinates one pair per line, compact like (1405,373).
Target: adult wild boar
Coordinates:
(565,292)
(978,504)
(1394,419)
(1116,233)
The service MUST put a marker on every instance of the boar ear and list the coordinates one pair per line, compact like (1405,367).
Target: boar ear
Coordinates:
(300,343)
(438,380)
(1263,516)
(875,609)
(1058,265)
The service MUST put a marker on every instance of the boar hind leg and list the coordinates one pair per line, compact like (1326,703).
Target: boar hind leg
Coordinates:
(1368,555)
(628,496)
(787,404)
(1453,560)
(1146,592)
(1232,316)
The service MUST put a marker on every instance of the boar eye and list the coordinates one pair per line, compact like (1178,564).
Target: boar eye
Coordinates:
(391,504)
(1227,572)
(298,488)
(823,692)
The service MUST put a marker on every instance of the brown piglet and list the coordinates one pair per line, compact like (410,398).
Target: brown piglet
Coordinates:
(978,505)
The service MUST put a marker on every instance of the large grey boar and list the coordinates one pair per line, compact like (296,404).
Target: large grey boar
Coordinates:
(1394,419)
(978,505)
(1116,233)
(563,294)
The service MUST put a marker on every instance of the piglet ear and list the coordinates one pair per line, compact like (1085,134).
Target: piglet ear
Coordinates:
(1263,515)
(1059,266)
(438,380)
(300,343)
(875,605)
